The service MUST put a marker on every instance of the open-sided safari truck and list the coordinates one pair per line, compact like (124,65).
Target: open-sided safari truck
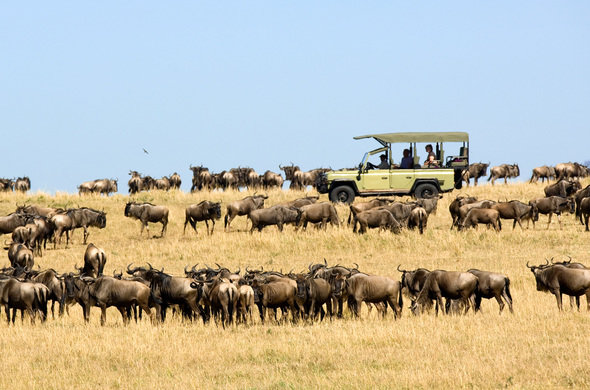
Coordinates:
(389,178)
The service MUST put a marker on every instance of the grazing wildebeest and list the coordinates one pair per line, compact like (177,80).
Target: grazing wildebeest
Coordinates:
(301,201)
(456,205)
(22,184)
(321,213)
(275,215)
(175,181)
(414,280)
(553,205)
(147,212)
(559,280)
(475,171)
(418,219)
(107,291)
(243,207)
(563,188)
(94,261)
(585,210)
(274,295)
(12,221)
(86,217)
(516,210)
(17,295)
(477,216)
(272,180)
(204,211)
(374,289)
(364,206)
(578,199)
(378,218)
(429,204)
(400,211)
(505,170)
(20,255)
(492,285)
(463,210)
(544,172)
(446,284)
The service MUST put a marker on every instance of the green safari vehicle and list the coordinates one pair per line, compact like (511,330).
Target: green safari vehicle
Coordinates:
(442,175)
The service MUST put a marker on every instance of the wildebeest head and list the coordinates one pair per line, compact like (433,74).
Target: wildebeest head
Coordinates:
(537,272)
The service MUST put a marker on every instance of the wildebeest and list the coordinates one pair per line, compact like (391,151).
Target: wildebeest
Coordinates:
(202,179)
(553,205)
(94,261)
(374,289)
(175,181)
(20,255)
(221,298)
(378,218)
(446,284)
(563,188)
(418,219)
(559,280)
(245,301)
(464,210)
(272,180)
(505,171)
(32,209)
(105,186)
(274,295)
(477,216)
(429,204)
(578,199)
(6,185)
(300,202)
(585,210)
(162,184)
(204,211)
(544,172)
(17,295)
(147,212)
(321,213)
(12,221)
(455,206)
(55,285)
(492,285)
(243,207)
(364,206)
(22,184)
(571,170)
(413,281)
(135,183)
(275,215)
(475,171)
(516,210)
(86,217)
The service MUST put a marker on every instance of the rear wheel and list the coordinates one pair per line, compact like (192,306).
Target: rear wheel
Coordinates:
(342,194)
(426,190)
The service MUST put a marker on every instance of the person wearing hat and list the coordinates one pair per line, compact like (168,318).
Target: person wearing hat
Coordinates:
(382,165)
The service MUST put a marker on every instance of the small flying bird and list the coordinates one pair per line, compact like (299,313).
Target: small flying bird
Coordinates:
(145,151)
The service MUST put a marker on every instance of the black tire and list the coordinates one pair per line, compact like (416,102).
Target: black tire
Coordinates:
(342,194)
(425,190)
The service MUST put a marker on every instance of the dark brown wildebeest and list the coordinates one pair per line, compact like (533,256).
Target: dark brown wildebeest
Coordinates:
(20,255)
(492,285)
(553,205)
(148,183)
(505,171)
(175,181)
(480,204)
(56,286)
(559,280)
(243,207)
(571,170)
(275,215)
(364,206)
(585,210)
(477,216)
(63,224)
(12,221)
(578,199)
(23,296)
(94,261)
(446,284)
(569,264)
(563,188)
(272,180)
(6,185)
(400,211)
(147,212)
(314,293)
(429,204)
(107,291)
(544,172)
(135,183)
(162,184)
(378,218)
(321,213)
(414,280)
(86,217)
(274,295)
(456,205)
(516,210)
(221,298)
(22,184)
(475,171)
(204,211)
(418,219)
(105,186)
(374,289)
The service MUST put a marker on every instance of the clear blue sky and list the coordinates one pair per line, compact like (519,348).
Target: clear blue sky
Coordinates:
(86,85)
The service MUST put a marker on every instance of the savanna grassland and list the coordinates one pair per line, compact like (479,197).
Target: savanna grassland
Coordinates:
(536,347)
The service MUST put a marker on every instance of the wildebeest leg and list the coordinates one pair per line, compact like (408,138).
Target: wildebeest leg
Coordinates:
(558,297)
(586,218)
(67,238)
(500,302)
(86,234)
(206,225)
(559,220)
(549,220)
(123,311)
(103,315)
(508,299)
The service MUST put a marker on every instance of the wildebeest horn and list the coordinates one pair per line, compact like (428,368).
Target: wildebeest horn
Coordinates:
(280,167)
(151,268)
(357,266)
(209,268)
(238,271)
(218,266)
(309,267)
(185,271)
(401,270)
(247,270)
(570,259)
(194,268)
(325,262)
(528,266)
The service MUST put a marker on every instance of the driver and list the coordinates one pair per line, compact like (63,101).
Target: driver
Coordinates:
(382,165)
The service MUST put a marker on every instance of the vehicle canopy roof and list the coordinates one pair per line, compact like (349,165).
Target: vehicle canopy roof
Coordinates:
(413,136)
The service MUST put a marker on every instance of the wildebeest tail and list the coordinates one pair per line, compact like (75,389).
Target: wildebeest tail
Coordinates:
(230,302)
(349,216)
(400,299)
(225,221)
(154,300)
(421,224)
(490,177)
(507,288)
(191,220)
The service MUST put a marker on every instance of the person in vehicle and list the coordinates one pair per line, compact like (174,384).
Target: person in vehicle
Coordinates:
(407,161)
(430,153)
(382,165)
(431,162)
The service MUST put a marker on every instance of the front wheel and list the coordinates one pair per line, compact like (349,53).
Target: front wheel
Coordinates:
(426,190)
(342,194)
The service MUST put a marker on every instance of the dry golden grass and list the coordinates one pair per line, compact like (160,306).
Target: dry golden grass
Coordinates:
(534,348)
